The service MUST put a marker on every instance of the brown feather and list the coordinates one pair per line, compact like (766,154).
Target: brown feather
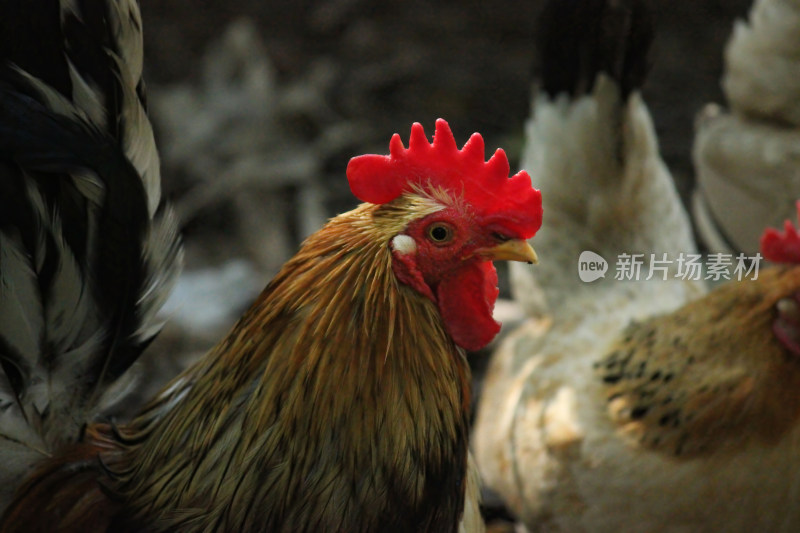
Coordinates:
(65,491)
(709,377)
(337,403)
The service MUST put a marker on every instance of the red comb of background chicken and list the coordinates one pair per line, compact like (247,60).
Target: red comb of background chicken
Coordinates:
(484,185)
(782,247)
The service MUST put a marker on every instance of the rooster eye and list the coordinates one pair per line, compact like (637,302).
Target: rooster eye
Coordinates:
(440,232)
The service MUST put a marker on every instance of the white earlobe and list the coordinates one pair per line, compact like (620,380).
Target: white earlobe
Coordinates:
(403,244)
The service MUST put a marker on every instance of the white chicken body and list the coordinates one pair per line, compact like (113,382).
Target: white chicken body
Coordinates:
(543,437)
(552,451)
(606,190)
(608,410)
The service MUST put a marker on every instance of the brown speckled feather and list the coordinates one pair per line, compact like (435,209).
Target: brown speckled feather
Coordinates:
(709,377)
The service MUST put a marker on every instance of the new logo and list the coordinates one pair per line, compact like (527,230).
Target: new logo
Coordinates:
(591,266)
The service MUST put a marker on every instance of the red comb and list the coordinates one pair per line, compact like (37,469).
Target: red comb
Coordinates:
(782,247)
(484,185)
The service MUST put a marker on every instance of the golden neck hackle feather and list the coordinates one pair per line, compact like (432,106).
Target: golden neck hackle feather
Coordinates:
(352,363)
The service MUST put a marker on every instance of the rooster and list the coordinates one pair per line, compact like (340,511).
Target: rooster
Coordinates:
(635,405)
(338,402)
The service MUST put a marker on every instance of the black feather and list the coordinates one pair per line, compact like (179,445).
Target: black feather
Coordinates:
(579,39)
(52,145)
(89,252)
(11,362)
(15,215)
(31,39)
(88,42)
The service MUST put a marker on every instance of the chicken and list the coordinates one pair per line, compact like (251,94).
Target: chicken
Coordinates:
(625,405)
(338,402)
(746,157)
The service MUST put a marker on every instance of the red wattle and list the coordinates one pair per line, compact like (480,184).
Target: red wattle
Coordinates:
(466,301)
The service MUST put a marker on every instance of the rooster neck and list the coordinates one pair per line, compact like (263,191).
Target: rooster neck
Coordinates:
(338,402)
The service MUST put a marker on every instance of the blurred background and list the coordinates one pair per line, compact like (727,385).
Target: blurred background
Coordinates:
(258,106)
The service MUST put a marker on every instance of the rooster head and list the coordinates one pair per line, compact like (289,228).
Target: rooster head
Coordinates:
(454,213)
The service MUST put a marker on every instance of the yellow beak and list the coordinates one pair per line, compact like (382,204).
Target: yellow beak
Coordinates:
(511,250)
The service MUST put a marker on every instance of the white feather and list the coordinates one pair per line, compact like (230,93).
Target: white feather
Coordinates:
(604,189)
(597,164)
(746,159)
(762,63)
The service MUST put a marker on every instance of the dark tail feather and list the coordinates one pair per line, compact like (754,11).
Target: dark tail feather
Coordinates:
(579,39)
(53,145)
(88,251)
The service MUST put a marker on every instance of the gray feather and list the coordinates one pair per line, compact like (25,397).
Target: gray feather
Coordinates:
(21,317)
(163,257)
(138,141)
(88,98)
(78,161)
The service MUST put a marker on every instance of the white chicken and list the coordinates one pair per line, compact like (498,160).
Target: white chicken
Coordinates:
(746,158)
(623,404)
